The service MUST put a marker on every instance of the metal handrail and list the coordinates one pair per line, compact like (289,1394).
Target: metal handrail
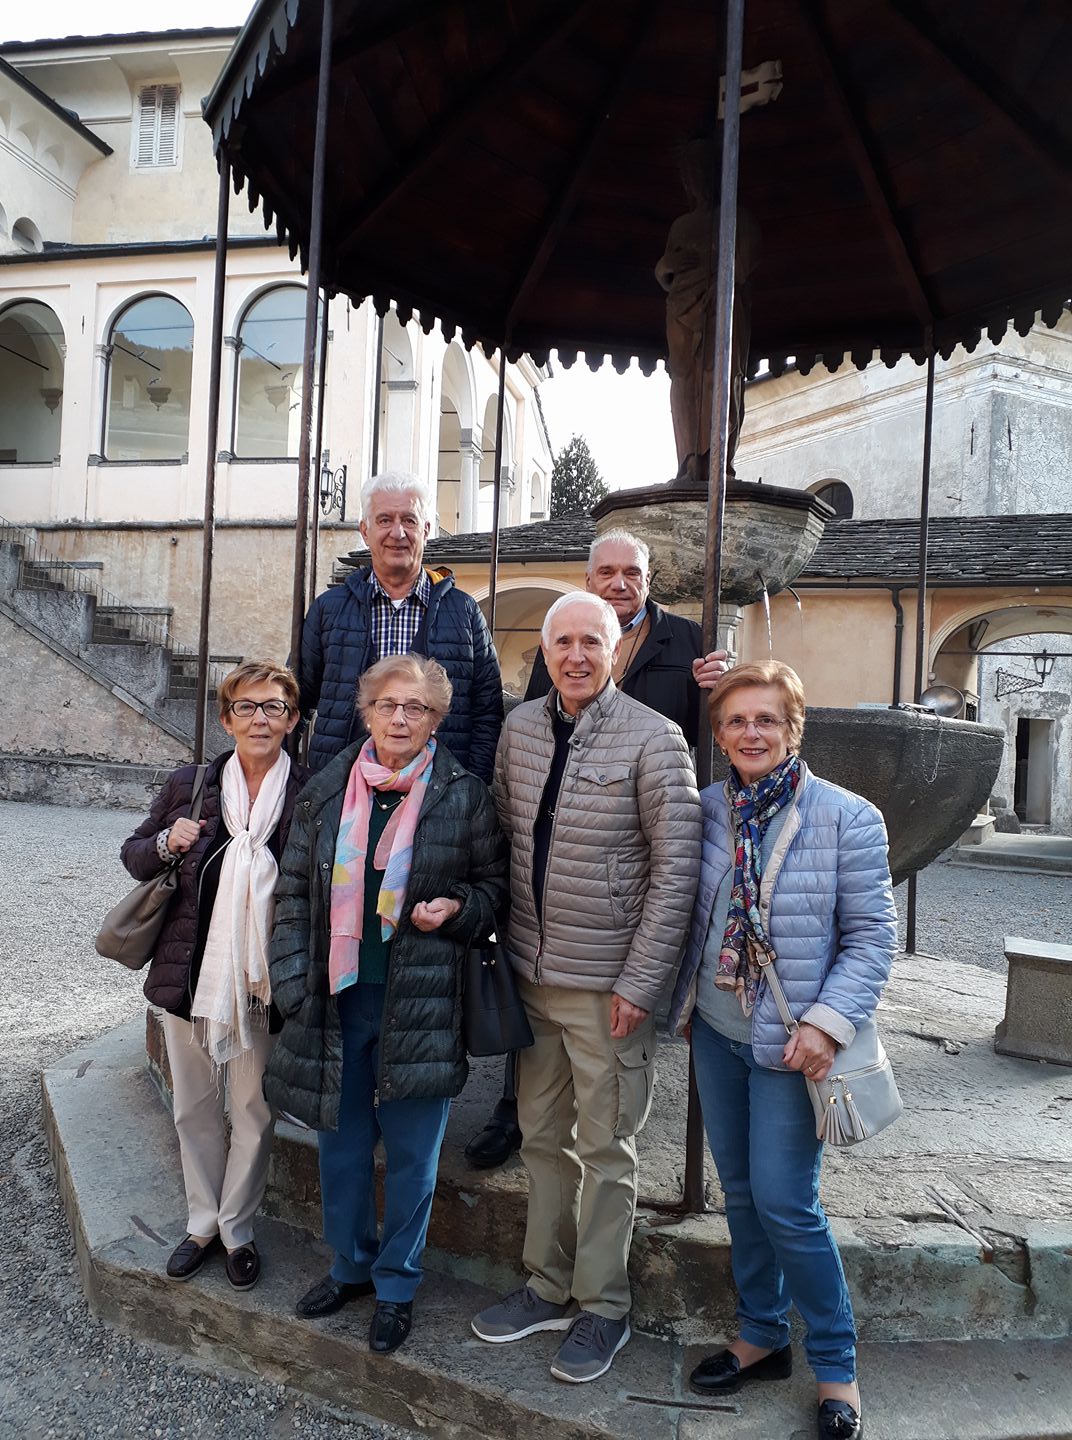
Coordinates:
(143,623)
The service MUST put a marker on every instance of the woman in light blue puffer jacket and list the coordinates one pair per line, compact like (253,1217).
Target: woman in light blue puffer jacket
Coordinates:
(793,870)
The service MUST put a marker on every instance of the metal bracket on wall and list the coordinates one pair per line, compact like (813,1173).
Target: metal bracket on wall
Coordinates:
(1009,683)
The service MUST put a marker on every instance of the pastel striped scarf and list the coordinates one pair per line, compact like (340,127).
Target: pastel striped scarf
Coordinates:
(393,855)
(746,938)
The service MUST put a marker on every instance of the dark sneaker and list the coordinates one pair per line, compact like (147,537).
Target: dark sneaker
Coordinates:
(588,1349)
(520,1314)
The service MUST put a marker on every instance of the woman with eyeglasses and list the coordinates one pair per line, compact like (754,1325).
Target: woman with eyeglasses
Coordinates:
(794,872)
(396,863)
(210,971)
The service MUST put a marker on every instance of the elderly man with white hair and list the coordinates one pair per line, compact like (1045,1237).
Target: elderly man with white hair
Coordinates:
(390,607)
(597,796)
(660,662)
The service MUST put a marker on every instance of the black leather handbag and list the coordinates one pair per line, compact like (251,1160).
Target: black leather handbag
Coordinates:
(493,1014)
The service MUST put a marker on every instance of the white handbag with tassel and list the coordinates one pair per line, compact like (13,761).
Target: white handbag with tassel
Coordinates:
(859,1097)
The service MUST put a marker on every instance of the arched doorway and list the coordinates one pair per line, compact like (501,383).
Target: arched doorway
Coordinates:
(1013,662)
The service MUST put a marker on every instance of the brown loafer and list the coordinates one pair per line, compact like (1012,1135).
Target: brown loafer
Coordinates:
(243,1266)
(187,1258)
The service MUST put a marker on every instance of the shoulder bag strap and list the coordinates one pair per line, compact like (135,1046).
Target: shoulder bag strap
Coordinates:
(779,997)
(198,792)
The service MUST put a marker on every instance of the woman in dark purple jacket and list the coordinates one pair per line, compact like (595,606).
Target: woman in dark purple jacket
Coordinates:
(209,973)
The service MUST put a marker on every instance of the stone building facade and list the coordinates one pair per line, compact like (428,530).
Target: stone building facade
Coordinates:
(106,277)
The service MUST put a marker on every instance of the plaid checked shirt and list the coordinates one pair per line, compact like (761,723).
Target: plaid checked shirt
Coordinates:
(394,627)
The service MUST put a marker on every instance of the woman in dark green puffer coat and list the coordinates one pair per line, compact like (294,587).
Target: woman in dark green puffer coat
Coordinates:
(395,864)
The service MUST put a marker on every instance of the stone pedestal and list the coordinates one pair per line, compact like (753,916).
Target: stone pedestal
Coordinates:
(769,535)
(1038,1002)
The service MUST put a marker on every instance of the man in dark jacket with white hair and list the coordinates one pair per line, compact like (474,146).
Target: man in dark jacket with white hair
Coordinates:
(390,607)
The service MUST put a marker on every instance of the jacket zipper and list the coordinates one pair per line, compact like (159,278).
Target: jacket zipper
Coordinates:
(546,873)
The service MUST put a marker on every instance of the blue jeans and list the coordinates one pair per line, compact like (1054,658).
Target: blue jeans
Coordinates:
(412,1132)
(761,1129)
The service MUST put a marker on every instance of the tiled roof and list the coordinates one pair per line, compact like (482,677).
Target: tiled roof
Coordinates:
(962,550)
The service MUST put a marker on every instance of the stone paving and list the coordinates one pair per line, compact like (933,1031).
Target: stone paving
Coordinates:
(65,1375)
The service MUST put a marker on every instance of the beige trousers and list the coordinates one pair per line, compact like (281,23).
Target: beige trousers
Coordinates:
(581,1099)
(224,1183)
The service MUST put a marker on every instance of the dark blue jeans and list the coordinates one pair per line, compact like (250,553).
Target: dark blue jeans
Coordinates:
(761,1129)
(412,1132)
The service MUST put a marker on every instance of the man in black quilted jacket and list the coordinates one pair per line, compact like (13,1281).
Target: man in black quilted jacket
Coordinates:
(390,607)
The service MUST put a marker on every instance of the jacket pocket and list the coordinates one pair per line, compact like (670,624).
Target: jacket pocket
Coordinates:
(614,889)
(610,775)
(634,1064)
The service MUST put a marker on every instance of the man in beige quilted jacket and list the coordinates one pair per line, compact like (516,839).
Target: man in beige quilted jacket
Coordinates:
(598,797)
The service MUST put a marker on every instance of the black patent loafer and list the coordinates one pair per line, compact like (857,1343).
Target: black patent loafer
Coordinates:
(243,1267)
(187,1258)
(723,1373)
(391,1323)
(498,1140)
(329,1295)
(839,1421)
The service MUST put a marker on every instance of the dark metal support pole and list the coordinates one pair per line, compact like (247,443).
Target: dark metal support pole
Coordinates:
(322,371)
(312,306)
(212,440)
(921,596)
(496,494)
(720,428)
(377,395)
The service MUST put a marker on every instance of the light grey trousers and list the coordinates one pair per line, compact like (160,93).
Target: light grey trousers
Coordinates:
(224,1182)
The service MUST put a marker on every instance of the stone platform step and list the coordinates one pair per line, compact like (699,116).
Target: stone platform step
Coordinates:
(116,1160)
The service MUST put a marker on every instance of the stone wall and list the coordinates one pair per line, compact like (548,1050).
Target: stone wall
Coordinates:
(56,712)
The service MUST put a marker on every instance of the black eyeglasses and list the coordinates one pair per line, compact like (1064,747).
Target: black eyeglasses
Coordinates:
(245,709)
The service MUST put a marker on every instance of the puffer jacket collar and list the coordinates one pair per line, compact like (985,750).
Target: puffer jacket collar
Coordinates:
(593,713)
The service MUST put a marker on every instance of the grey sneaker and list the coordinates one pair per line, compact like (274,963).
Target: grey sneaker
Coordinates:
(588,1349)
(520,1314)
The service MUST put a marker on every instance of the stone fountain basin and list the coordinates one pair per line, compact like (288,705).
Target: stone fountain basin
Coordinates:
(930,777)
(769,535)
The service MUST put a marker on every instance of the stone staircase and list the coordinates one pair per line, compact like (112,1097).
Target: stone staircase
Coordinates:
(129,648)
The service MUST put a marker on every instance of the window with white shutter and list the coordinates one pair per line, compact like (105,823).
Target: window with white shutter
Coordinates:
(155,142)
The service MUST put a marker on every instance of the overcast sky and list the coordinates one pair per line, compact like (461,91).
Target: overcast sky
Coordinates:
(626,419)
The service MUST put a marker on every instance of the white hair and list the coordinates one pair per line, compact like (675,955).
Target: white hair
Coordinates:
(397,482)
(619,537)
(608,618)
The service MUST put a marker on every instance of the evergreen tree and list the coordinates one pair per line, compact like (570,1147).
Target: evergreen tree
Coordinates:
(576,484)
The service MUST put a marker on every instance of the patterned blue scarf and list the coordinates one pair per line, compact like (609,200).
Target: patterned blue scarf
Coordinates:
(754,806)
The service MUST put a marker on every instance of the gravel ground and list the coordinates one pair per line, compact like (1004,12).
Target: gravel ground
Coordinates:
(64,1374)
(964,913)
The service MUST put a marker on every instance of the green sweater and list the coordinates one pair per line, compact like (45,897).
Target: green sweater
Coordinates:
(375,954)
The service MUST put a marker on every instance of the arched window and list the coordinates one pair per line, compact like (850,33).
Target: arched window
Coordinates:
(150,358)
(837,495)
(271,344)
(26,236)
(31,383)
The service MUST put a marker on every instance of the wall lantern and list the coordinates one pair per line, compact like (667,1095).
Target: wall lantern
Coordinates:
(276,394)
(158,392)
(51,395)
(1043,664)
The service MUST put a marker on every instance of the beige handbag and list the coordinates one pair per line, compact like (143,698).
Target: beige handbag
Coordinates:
(131,928)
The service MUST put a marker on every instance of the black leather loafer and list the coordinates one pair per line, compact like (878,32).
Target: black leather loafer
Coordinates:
(498,1140)
(329,1295)
(839,1421)
(187,1258)
(723,1373)
(243,1267)
(391,1323)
